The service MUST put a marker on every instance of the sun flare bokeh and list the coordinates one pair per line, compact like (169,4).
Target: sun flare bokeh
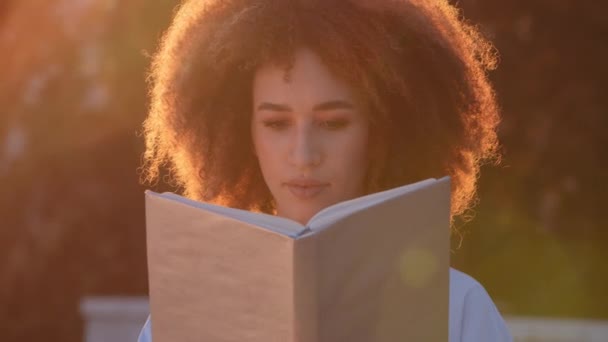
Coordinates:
(73,96)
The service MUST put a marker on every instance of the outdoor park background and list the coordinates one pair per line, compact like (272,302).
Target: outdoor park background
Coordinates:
(72,97)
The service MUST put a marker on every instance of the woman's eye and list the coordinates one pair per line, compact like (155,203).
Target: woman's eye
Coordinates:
(276,124)
(334,124)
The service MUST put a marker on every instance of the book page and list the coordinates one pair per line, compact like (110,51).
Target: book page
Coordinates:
(322,220)
(274,223)
(329,215)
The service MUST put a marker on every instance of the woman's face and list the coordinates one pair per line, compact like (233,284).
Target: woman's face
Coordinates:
(310,136)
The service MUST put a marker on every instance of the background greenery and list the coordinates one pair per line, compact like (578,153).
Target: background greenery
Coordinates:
(72,97)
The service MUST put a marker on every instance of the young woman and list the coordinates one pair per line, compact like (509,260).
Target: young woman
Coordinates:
(289,106)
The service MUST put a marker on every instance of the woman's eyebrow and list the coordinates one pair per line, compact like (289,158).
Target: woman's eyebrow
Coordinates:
(275,107)
(323,106)
(333,105)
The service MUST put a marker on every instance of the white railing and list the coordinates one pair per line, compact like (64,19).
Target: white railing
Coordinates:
(534,329)
(120,319)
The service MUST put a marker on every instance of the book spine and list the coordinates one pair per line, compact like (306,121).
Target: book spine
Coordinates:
(305,289)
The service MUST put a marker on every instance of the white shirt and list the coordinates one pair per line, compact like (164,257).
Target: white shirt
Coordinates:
(473,316)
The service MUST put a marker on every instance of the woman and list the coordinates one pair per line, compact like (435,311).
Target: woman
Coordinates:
(287,107)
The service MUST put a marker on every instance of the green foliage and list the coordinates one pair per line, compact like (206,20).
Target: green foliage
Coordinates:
(73,95)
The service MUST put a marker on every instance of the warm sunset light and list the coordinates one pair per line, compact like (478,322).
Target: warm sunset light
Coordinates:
(76,88)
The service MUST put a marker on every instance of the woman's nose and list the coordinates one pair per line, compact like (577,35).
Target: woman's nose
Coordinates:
(305,150)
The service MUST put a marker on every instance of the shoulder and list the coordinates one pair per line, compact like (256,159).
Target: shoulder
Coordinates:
(473,315)
(461,284)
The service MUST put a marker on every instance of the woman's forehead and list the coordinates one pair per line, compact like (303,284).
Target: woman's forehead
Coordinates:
(308,76)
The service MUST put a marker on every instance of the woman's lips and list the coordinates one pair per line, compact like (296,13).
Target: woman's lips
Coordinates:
(305,189)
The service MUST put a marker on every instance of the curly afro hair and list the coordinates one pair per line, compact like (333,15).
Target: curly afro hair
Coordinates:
(421,68)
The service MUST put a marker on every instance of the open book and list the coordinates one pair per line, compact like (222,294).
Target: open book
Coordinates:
(371,269)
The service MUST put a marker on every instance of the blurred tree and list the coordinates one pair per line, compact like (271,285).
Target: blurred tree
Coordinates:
(550,83)
(71,213)
(539,241)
